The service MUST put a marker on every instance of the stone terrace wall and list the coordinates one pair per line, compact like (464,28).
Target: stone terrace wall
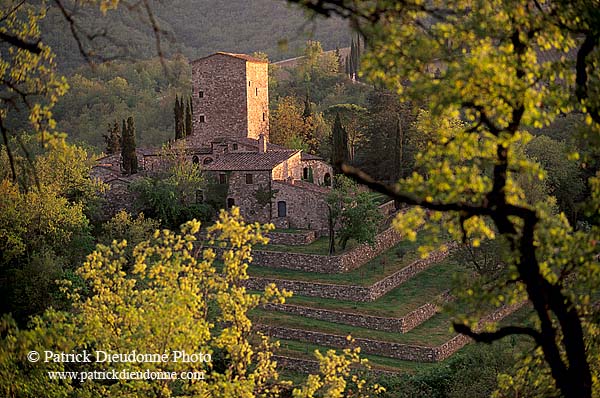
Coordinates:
(308,366)
(404,352)
(454,344)
(350,292)
(387,324)
(292,238)
(345,262)
(400,351)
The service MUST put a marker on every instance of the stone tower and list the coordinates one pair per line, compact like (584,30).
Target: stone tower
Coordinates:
(230,98)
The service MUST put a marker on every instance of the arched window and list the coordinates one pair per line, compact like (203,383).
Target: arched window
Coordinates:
(230,203)
(281,209)
(195,160)
(207,161)
(327,179)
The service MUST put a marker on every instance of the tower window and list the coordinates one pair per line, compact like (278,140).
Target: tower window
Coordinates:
(201,94)
(257,91)
(202,119)
(249,83)
(264,116)
(249,178)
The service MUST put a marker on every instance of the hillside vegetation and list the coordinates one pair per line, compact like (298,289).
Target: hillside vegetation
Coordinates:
(195,29)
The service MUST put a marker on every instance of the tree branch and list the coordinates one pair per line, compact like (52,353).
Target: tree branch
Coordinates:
(490,337)
(33,48)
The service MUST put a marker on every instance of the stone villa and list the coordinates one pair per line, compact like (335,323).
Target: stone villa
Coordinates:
(230,140)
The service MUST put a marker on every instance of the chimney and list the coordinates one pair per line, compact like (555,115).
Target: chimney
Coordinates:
(262,144)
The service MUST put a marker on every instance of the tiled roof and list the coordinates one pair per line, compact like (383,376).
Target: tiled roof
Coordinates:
(249,161)
(309,156)
(245,57)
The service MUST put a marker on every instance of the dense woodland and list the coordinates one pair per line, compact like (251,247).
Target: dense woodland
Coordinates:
(442,141)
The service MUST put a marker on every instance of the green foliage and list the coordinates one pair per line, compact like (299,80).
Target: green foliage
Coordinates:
(171,196)
(170,301)
(564,177)
(354,210)
(125,227)
(339,152)
(113,139)
(43,231)
(118,90)
(128,153)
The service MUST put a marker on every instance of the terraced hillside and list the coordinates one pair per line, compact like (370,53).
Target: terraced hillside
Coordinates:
(390,304)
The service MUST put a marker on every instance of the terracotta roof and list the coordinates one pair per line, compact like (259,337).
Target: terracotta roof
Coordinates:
(249,161)
(310,156)
(245,57)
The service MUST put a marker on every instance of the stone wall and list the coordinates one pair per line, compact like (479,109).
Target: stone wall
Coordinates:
(302,237)
(387,324)
(345,262)
(406,352)
(244,194)
(306,207)
(289,168)
(349,292)
(257,99)
(310,366)
(319,168)
(222,80)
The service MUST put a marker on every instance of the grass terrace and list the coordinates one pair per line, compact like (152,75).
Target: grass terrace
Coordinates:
(432,332)
(417,291)
(381,266)
(298,349)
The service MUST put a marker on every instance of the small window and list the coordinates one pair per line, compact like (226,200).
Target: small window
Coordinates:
(202,119)
(305,173)
(281,209)
(199,196)
(257,91)
(235,147)
(195,160)
(249,178)
(264,116)
(222,179)
(230,203)
(327,179)
(201,94)
(207,161)
(249,83)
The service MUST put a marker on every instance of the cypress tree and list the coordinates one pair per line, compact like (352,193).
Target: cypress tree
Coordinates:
(113,139)
(176,112)
(128,155)
(339,153)
(307,108)
(188,117)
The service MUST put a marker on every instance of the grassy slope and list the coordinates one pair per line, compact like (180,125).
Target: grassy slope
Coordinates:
(421,289)
(385,264)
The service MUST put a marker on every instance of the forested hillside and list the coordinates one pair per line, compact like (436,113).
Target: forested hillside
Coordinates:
(194,28)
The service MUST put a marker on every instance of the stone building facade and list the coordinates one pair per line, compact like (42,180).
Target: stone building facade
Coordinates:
(230,98)
(230,140)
